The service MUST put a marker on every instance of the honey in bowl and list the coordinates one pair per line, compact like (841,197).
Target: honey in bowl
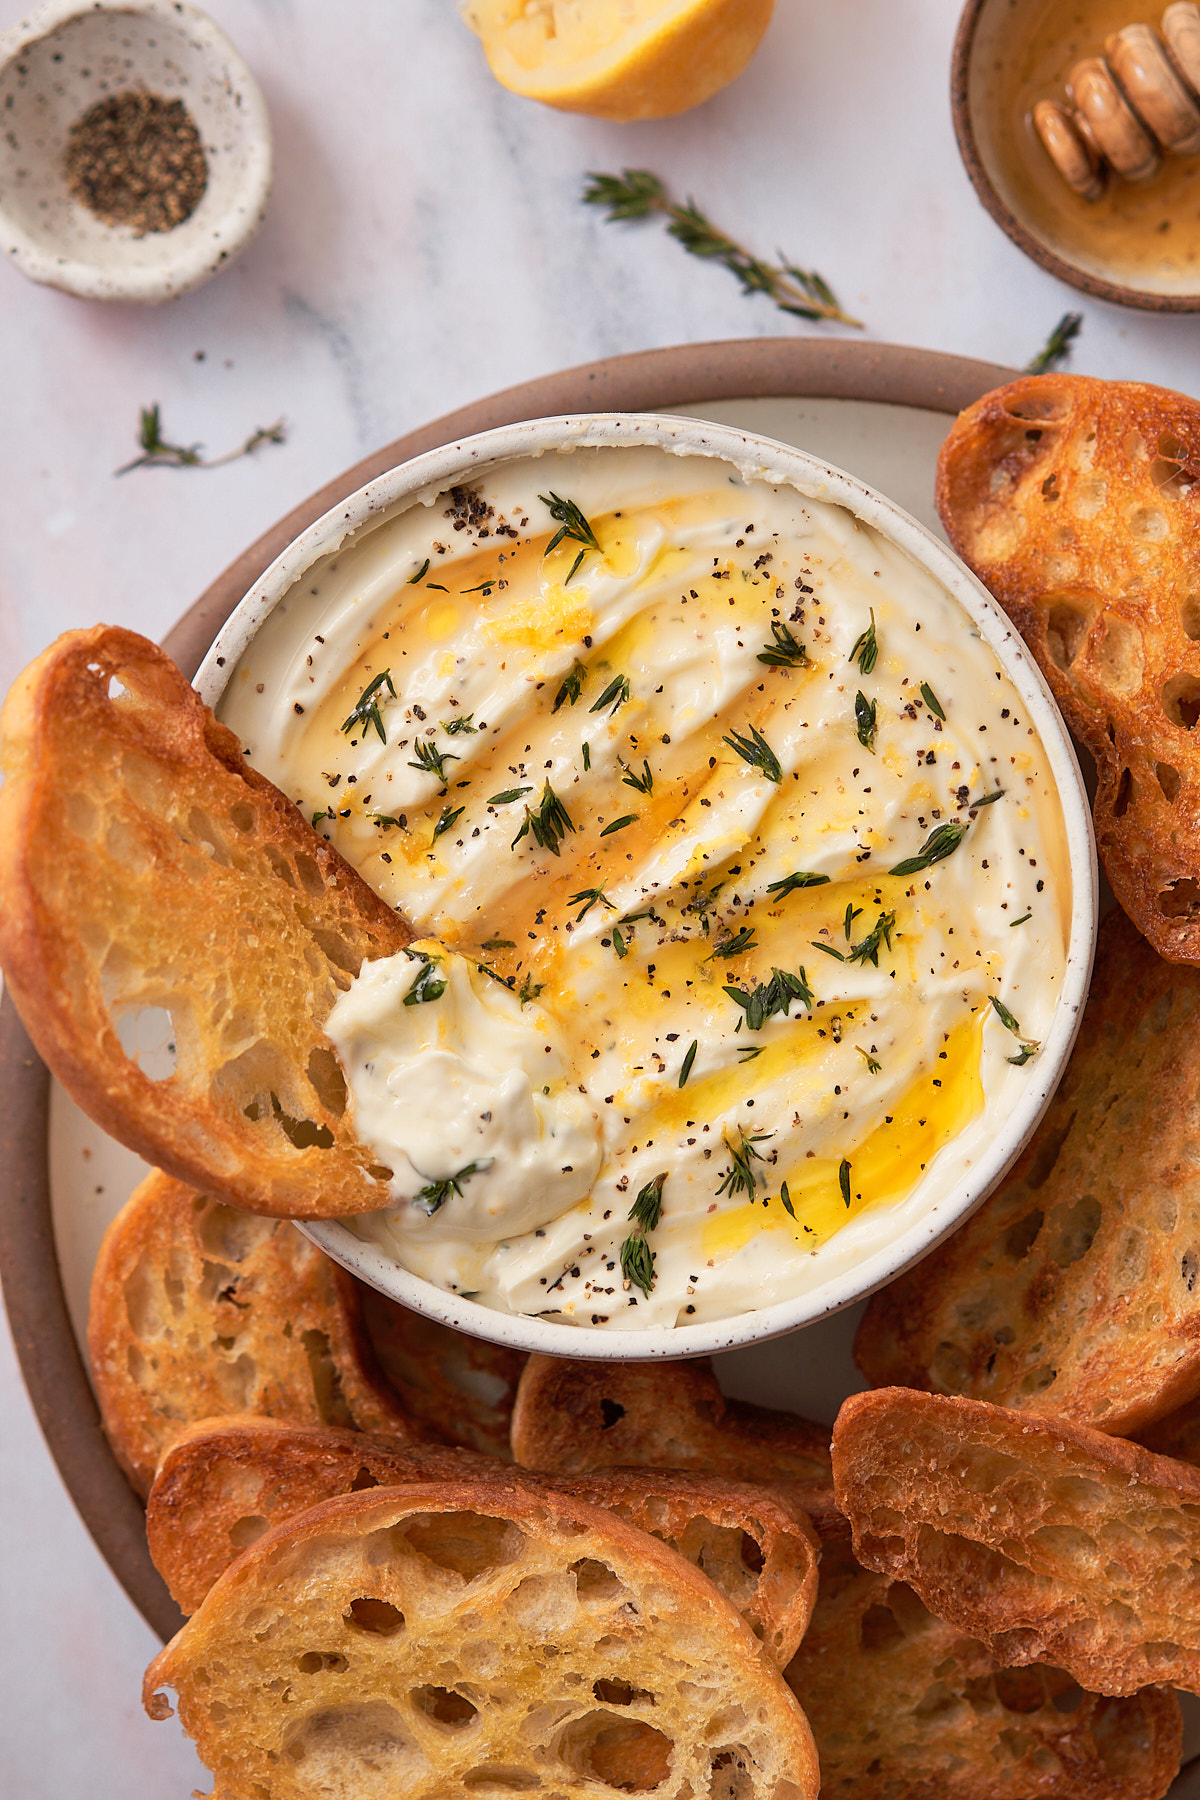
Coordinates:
(1143,235)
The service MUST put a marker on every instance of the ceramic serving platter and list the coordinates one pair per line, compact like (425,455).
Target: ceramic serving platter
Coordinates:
(878,411)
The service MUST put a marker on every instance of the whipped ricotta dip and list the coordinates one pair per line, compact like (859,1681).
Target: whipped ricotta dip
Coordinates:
(738,870)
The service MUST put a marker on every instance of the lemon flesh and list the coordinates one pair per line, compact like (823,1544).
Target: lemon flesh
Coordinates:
(619,59)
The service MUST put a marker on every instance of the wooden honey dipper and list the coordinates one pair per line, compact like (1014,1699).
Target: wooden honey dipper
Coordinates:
(1128,107)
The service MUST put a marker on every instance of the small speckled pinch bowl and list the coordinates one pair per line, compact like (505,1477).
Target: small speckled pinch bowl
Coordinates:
(754,459)
(60,61)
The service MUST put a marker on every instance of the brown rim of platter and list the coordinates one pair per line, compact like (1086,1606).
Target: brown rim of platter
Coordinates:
(647,381)
(1005,217)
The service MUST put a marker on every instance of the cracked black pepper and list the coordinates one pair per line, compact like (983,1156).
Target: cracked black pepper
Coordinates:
(136,159)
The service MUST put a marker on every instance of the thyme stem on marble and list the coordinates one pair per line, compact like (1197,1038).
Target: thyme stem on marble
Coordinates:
(157,453)
(1057,347)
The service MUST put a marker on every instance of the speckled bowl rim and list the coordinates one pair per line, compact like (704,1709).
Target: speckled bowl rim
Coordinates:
(755,458)
(1009,221)
(201,254)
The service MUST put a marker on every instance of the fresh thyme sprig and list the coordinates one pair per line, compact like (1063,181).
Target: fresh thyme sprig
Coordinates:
(620,824)
(942,841)
(879,935)
(748,1052)
(844,1179)
(932,702)
(1029,1046)
(614,695)
(508,796)
(1057,348)
(158,454)
(644,783)
(366,708)
(420,575)
(434,1195)
(637,1258)
(852,912)
(571,524)
(864,720)
(450,815)
(873,1063)
(387,821)
(590,897)
(529,989)
(639,194)
(572,686)
(785,652)
(742,1178)
(987,800)
(775,996)
(431,760)
(685,1067)
(791,884)
(548,823)
(866,648)
(429,985)
(734,946)
(452,727)
(756,751)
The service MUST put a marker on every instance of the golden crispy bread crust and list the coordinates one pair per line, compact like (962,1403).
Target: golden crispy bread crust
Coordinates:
(1074,1291)
(573,1416)
(460,1386)
(466,1639)
(223,1483)
(904,1707)
(1077,502)
(199,1310)
(145,867)
(1047,1541)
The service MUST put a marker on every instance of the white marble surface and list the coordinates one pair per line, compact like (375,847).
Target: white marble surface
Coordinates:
(425,245)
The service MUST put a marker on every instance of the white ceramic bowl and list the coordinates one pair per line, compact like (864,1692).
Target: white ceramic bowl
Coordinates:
(57,63)
(757,459)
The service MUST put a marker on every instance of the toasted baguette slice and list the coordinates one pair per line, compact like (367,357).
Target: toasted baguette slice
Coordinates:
(466,1641)
(575,1416)
(1074,1291)
(904,1707)
(146,869)
(223,1483)
(199,1310)
(460,1386)
(1078,503)
(1047,1541)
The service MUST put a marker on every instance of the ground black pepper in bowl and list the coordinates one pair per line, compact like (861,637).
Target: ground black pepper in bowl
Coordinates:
(136,159)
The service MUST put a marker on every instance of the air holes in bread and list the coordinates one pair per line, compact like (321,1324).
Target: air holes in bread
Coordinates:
(246,1531)
(280,864)
(1124,794)
(305,1134)
(467,1544)
(732,1778)
(1044,403)
(1117,657)
(377,1617)
(1181,900)
(148,1039)
(228,1234)
(626,1754)
(1066,627)
(1169,781)
(445,1707)
(329,1083)
(1181,701)
(320,1662)
(370,1738)
(1189,615)
(331,1404)
(1149,523)
(1020,1238)
(363,1479)
(879,1629)
(503,1778)
(1088,497)
(1073,1230)
(311,878)
(595,1581)
(610,1412)
(620,1693)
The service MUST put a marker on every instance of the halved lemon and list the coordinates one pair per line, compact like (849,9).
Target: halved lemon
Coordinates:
(619,59)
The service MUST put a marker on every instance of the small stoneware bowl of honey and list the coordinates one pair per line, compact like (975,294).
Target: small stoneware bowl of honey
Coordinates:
(1079,125)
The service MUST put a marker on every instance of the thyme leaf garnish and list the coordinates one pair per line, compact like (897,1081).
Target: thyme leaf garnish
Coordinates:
(571,686)
(450,815)
(1057,347)
(529,989)
(748,1052)
(500,944)
(785,1200)
(646,1210)
(829,949)
(733,946)
(420,574)
(508,796)
(590,896)
(157,453)
(873,1063)
(852,912)
(756,751)
(942,841)
(1029,1046)
(761,1003)
(785,652)
(385,821)
(548,823)
(644,783)
(452,727)
(792,883)
(430,759)
(987,800)
(685,1067)
(932,702)
(1023,920)
(366,707)
(587,757)
(429,985)
(614,695)
(844,1179)
(434,1195)
(619,824)
(329,814)
(637,1262)
(866,648)
(879,935)
(619,944)
(742,1178)
(639,194)
(572,525)
(864,720)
